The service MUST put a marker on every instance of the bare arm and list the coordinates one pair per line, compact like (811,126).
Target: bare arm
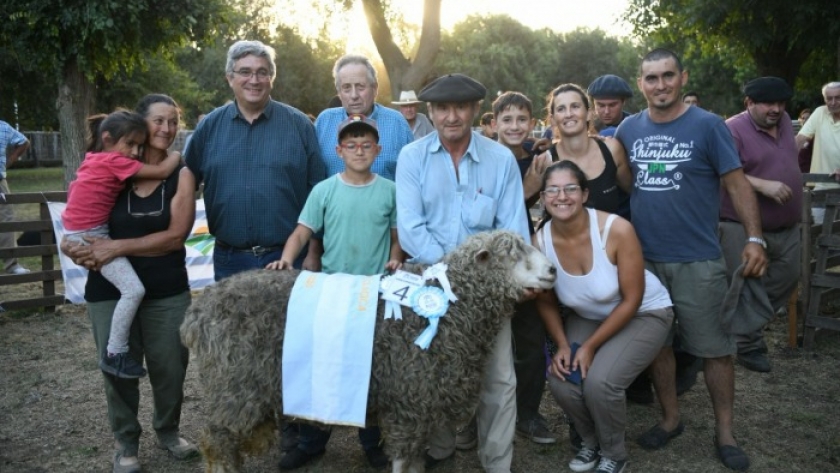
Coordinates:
(297,240)
(532,181)
(803,141)
(623,175)
(743,198)
(161,170)
(16,153)
(312,262)
(397,256)
(776,190)
(549,309)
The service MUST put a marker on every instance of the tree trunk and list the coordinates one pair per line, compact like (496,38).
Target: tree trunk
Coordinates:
(402,73)
(76,96)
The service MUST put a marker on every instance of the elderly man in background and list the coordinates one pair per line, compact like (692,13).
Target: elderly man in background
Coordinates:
(823,128)
(419,123)
(765,141)
(12,146)
(356,84)
(451,184)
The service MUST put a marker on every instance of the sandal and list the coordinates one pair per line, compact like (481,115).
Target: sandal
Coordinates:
(657,437)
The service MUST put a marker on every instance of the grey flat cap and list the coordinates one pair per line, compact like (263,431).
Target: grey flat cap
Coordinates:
(453,88)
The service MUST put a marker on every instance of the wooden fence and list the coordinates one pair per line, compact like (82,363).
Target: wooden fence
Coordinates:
(47,275)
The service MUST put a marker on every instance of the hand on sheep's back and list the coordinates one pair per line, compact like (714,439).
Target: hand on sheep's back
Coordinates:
(279,264)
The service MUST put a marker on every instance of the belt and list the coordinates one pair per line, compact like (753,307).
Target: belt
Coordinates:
(255,250)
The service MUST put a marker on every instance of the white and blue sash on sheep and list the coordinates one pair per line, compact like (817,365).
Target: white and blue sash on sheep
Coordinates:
(330,324)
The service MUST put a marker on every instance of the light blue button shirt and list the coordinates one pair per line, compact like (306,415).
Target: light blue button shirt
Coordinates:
(394,133)
(437,210)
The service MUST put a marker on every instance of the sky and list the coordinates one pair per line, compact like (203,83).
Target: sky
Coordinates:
(560,16)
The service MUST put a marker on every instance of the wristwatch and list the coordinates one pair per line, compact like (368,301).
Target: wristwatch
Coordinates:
(758,240)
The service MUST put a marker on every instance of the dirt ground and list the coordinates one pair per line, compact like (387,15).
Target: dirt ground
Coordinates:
(53,416)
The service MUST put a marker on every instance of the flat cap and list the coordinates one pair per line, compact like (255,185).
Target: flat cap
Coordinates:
(609,85)
(768,89)
(357,120)
(453,88)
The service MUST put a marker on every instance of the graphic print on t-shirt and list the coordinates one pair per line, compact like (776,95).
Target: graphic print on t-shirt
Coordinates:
(656,161)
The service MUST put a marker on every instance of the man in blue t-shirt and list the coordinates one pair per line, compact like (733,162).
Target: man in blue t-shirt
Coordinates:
(679,156)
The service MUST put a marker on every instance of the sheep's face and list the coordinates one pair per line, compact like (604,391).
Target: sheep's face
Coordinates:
(528,268)
(533,270)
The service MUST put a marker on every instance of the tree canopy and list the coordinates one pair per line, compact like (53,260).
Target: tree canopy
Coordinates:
(778,36)
(77,42)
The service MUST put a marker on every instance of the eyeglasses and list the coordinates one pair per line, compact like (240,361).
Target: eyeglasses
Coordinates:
(568,189)
(262,74)
(155,213)
(352,146)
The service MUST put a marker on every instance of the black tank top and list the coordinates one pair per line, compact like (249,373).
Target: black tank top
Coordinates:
(162,276)
(603,190)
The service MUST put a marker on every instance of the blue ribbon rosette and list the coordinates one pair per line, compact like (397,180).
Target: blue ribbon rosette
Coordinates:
(430,302)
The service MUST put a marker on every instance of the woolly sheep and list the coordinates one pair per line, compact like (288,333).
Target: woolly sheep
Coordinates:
(235,331)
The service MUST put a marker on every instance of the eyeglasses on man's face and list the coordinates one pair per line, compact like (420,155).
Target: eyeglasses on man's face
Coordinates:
(154,213)
(245,73)
(352,146)
(554,191)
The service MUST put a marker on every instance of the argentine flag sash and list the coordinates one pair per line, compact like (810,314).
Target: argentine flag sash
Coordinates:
(328,347)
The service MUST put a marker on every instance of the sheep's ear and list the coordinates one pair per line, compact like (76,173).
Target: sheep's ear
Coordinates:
(482,256)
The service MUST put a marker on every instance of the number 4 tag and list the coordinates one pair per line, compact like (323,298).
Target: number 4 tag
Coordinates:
(400,287)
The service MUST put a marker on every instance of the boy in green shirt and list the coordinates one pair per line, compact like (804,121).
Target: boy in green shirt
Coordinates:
(357,211)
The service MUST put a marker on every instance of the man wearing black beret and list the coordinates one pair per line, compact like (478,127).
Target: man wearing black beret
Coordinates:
(450,184)
(765,141)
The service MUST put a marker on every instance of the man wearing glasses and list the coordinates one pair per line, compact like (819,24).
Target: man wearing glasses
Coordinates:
(258,159)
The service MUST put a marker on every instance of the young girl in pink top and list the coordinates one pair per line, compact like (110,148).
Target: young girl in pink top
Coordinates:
(113,156)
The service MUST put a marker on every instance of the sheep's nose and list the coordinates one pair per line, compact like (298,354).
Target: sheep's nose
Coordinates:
(552,270)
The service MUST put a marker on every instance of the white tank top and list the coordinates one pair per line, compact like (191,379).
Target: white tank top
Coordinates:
(594,295)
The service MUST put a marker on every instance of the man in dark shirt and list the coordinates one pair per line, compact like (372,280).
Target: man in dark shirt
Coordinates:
(258,159)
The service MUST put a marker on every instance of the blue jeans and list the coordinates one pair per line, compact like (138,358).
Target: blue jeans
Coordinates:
(227,261)
(312,439)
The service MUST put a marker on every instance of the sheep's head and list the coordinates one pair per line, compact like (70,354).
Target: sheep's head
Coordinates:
(505,255)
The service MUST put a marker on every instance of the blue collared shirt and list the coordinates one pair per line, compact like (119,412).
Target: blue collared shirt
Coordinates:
(11,137)
(437,210)
(257,175)
(394,133)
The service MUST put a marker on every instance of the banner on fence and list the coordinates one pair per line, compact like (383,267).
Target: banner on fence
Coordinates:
(199,255)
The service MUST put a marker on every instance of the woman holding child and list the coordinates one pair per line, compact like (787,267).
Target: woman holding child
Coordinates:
(622,315)
(148,224)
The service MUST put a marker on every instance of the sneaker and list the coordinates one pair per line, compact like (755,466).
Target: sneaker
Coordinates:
(611,466)
(180,448)
(466,438)
(585,460)
(125,464)
(18,269)
(121,365)
(536,431)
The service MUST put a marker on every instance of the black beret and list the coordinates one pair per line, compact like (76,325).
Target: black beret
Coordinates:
(768,89)
(609,86)
(453,88)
